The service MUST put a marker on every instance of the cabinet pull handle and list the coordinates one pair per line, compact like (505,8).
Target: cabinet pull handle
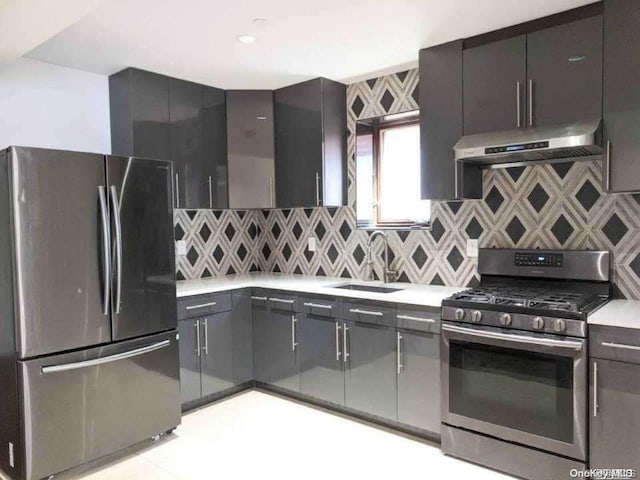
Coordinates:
(456,166)
(202,305)
(197,325)
(345,350)
(318,305)
(337,341)
(263,299)
(531,102)
(366,312)
(620,345)
(281,300)
(271,203)
(595,389)
(293,333)
(317,189)
(608,166)
(210,193)
(206,336)
(518,103)
(416,319)
(399,348)
(177,191)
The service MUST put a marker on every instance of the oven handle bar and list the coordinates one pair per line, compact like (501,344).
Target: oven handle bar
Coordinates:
(547,342)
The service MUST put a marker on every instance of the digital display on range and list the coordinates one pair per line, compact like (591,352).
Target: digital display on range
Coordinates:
(526,259)
(514,148)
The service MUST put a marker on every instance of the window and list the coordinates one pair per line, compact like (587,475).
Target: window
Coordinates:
(388,173)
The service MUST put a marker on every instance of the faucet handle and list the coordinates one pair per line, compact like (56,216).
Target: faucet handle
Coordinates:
(392,275)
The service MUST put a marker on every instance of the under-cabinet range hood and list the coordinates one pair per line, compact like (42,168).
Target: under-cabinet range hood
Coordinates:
(522,146)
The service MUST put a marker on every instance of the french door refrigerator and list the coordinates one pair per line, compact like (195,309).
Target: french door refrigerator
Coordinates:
(88,341)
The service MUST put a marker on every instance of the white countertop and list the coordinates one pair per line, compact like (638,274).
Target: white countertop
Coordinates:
(618,313)
(411,294)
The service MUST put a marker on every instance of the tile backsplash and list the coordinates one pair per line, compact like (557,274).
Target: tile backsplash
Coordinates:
(545,206)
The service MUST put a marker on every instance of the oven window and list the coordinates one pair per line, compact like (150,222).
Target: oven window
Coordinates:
(525,391)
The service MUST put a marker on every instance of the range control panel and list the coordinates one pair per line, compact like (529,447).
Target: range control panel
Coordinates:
(516,147)
(527,259)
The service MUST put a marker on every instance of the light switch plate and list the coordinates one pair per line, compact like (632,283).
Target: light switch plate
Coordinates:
(472,247)
(312,244)
(181,247)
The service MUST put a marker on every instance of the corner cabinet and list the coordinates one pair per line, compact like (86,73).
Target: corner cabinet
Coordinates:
(621,162)
(442,178)
(311,144)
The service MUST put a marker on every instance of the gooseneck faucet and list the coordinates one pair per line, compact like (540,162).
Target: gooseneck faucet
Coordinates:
(388,274)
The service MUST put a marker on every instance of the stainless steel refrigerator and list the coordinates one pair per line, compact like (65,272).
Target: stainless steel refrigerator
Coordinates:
(88,341)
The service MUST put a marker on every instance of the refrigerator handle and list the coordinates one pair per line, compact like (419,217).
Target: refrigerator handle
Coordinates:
(118,229)
(106,248)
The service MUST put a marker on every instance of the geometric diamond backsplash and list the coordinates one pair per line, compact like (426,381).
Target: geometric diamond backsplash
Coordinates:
(545,206)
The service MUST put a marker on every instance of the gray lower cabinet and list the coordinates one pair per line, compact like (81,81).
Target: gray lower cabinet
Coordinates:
(321,361)
(419,380)
(217,353)
(190,386)
(242,337)
(370,374)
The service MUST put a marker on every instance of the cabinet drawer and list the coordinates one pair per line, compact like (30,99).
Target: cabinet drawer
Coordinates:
(421,320)
(320,307)
(369,312)
(615,343)
(200,305)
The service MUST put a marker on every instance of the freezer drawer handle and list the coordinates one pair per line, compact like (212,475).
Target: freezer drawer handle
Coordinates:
(210,304)
(366,312)
(416,319)
(620,345)
(111,358)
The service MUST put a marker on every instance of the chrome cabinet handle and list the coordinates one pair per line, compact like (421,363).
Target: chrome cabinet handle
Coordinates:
(263,299)
(531,102)
(293,333)
(399,348)
(118,228)
(456,166)
(197,326)
(318,305)
(106,249)
(271,203)
(210,193)
(366,312)
(206,336)
(545,342)
(202,305)
(281,300)
(337,341)
(518,107)
(620,345)
(317,189)
(416,319)
(111,358)
(345,350)
(177,191)
(595,389)
(608,166)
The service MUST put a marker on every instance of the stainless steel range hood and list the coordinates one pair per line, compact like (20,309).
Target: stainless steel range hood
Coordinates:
(523,146)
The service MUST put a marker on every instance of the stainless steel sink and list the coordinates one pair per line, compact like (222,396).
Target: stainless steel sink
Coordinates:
(366,288)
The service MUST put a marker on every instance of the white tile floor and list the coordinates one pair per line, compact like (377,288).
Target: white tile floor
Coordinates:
(259,435)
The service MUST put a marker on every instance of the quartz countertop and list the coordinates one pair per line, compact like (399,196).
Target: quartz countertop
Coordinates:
(410,294)
(618,313)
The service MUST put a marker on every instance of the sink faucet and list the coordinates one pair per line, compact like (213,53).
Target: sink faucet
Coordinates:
(389,275)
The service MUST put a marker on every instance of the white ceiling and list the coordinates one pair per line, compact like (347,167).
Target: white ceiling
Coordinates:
(339,39)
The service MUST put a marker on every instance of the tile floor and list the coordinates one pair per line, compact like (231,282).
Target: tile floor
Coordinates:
(259,435)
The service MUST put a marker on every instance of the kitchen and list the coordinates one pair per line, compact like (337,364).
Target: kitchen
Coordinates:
(430,253)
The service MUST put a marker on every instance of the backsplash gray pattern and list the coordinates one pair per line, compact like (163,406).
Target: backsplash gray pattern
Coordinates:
(547,206)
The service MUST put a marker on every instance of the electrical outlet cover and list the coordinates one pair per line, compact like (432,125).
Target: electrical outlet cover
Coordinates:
(472,247)
(181,247)
(312,244)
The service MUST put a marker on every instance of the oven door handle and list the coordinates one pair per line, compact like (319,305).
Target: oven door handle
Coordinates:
(546,342)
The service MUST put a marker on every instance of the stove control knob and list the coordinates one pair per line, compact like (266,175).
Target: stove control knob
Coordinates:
(459,314)
(476,316)
(559,326)
(505,319)
(538,323)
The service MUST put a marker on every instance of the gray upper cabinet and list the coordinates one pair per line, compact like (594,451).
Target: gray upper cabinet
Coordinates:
(621,99)
(441,126)
(139,110)
(311,144)
(250,146)
(494,85)
(214,126)
(564,71)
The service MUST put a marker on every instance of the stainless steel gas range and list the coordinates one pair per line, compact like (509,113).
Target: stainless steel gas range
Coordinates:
(514,361)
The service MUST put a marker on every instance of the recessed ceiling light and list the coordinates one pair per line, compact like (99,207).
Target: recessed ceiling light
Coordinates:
(246,38)
(259,22)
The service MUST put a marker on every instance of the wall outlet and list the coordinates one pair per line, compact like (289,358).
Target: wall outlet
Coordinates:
(312,244)
(181,247)
(472,247)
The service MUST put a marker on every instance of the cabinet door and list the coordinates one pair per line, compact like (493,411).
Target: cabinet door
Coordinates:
(614,427)
(370,374)
(149,115)
(242,337)
(621,95)
(298,144)
(275,356)
(214,127)
(419,380)
(189,360)
(564,70)
(186,142)
(321,363)
(250,148)
(491,75)
(217,353)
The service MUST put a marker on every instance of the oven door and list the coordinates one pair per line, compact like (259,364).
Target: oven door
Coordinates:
(518,386)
